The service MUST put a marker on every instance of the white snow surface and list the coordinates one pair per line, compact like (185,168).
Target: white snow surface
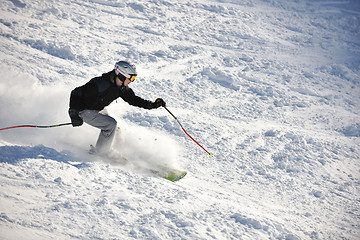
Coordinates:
(270,87)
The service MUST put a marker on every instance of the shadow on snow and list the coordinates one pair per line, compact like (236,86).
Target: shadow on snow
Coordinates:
(15,154)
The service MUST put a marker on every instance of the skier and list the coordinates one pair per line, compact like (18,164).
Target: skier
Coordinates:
(88,102)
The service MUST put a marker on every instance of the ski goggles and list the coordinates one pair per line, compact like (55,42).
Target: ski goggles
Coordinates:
(132,77)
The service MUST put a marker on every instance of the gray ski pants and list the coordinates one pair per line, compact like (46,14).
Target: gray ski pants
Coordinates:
(107,125)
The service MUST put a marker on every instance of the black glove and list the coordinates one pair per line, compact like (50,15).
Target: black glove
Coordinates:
(76,121)
(158,103)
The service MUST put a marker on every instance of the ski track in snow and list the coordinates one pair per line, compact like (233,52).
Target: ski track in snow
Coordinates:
(270,87)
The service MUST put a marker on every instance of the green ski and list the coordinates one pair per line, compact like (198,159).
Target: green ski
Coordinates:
(168,173)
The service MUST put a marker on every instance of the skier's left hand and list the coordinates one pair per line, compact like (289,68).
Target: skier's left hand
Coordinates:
(76,121)
(159,103)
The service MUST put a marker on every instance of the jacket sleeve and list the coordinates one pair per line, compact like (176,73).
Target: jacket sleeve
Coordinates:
(134,100)
(75,98)
(79,95)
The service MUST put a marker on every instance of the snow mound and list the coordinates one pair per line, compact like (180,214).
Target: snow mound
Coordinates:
(352,130)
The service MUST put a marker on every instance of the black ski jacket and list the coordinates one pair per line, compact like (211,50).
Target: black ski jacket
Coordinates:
(99,92)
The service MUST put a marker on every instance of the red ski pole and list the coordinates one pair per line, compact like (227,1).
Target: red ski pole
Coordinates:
(35,126)
(186,132)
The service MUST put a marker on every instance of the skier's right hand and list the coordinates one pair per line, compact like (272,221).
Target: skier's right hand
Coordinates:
(76,121)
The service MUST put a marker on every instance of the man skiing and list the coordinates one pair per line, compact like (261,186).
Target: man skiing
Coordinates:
(87,102)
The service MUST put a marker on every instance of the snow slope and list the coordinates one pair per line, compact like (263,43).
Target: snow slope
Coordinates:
(270,87)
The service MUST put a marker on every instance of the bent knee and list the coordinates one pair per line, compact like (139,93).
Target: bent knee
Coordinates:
(112,123)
